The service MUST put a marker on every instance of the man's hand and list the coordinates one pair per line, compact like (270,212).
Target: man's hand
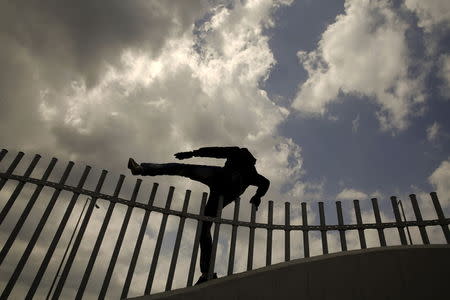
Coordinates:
(184,155)
(256,201)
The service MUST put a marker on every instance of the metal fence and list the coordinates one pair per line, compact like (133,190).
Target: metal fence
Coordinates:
(166,211)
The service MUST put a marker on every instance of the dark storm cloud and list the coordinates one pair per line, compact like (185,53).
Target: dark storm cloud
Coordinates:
(67,38)
(46,45)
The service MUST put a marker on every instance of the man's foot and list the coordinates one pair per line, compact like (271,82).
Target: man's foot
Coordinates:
(135,168)
(204,278)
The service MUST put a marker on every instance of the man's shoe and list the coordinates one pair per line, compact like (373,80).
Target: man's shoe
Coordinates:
(135,168)
(204,278)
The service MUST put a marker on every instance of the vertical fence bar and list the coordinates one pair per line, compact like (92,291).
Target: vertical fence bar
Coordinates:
(362,237)
(376,212)
(162,229)
(23,216)
(305,231)
(287,231)
(35,236)
(32,200)
(398,220)
(11,168)
(440,214)
(123,229)
(423,232)
(176,248)
(138,245)
(55,278)
(251,241)
(59,231)
(196,241)
(269,234)
(212,260)
(2,154)
(323,232)
(18,189)
(341,223)
(233,237)
(79,237)
(99,241)
(404,217)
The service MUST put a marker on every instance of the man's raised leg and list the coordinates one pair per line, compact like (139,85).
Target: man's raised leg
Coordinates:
(204,174)
(134,167)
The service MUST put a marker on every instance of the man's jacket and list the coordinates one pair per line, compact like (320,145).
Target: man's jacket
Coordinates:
(239,170)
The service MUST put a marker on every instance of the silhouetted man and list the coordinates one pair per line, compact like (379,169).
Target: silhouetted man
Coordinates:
(229,181)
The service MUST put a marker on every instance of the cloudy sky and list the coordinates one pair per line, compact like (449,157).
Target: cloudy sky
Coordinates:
(337,100)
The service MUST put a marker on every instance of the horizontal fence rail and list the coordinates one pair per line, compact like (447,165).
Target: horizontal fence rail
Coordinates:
(60,279)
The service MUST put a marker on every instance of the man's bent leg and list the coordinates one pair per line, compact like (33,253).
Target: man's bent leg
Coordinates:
(205,247)
(205,234)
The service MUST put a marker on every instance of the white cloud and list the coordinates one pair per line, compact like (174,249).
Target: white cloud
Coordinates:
(363,53)
(350,194)
(431,13)
(440,179)
(433,132)
(434,17)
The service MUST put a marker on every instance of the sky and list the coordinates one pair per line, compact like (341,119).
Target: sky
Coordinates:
(337,100)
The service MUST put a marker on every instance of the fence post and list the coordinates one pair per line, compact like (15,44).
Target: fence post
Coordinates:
(251,238)
(78,239)
(123,229)
(17,190)
(423,232)
(269,234)
(99,240)
(362,238)
(440,214)
(56,238)
(287,232)
(233,237)
(376,212)
(197,241)
(398,220)
(33,198)
(162,230)
(2,154)
(323,231)
(305,231)
(341,222)
(176,248)
(137,247)
(212,260)
(11,168)
(23,216)
(36,235)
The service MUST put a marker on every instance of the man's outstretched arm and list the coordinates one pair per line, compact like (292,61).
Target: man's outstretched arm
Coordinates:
(263,185)
(215,152)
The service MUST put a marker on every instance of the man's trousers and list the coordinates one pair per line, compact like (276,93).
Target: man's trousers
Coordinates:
(212,176)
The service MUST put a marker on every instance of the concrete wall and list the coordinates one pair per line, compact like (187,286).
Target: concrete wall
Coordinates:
(400,272)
